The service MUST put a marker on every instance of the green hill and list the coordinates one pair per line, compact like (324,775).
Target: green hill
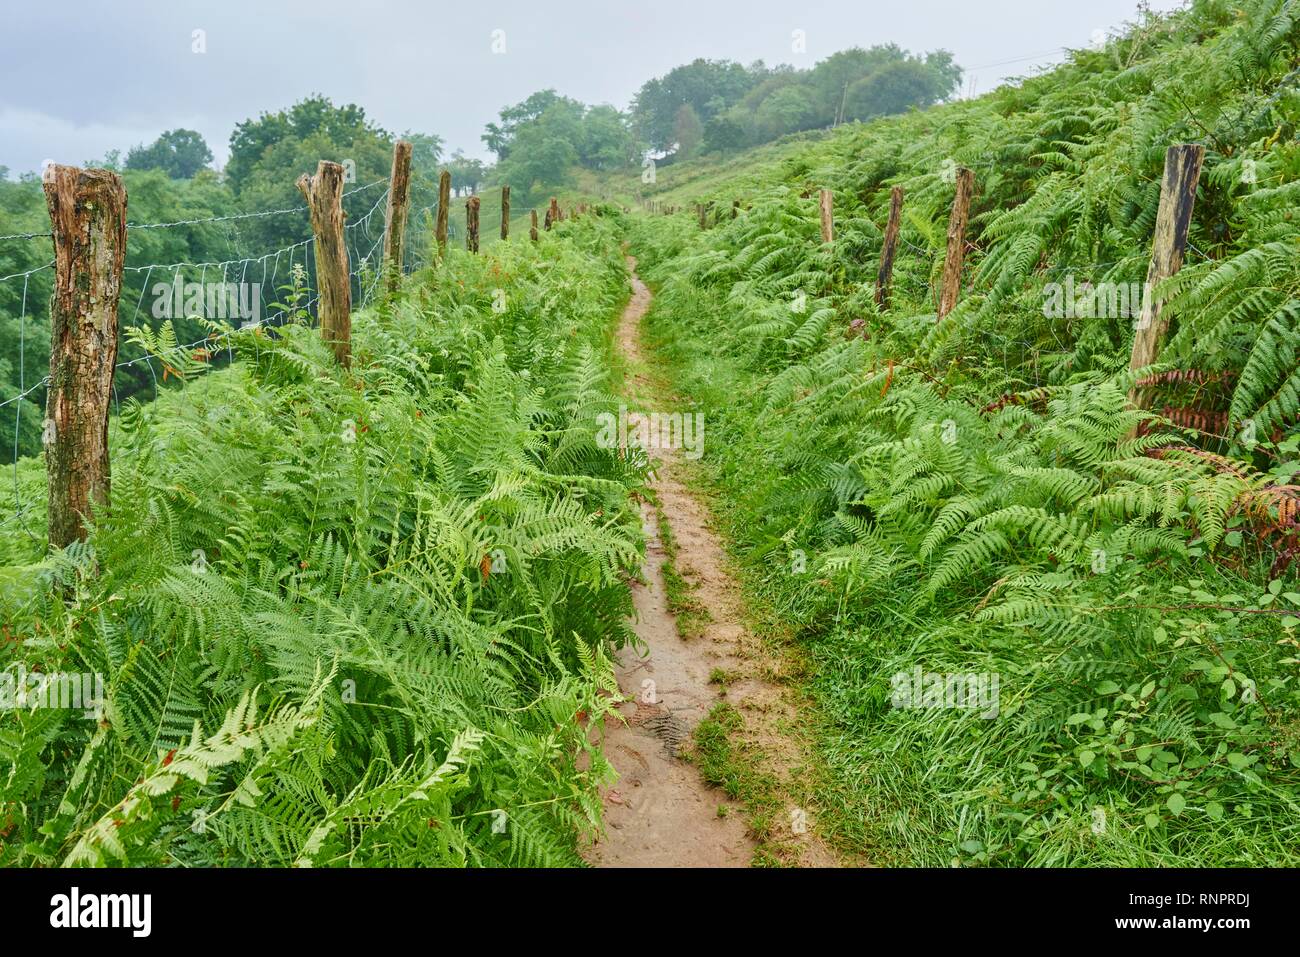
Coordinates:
(365,616)
(976,496)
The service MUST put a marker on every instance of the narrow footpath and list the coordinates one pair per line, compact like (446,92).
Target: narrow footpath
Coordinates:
(661,812)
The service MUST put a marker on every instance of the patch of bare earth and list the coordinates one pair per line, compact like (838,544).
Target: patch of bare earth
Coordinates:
(661,812)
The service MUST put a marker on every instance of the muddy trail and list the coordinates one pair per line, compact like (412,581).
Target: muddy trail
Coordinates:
(661,812)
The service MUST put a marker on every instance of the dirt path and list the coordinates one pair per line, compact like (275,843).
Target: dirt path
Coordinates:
(661,812)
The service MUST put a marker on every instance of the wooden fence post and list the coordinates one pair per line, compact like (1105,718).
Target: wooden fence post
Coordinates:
(890,248)
(324,194)
(399,197)
(552,214)
(88,219)
(532,229)
(956,241)
(505,212)
(471,224)
(1173,220)
(444,200)
(699,213)
(826,204)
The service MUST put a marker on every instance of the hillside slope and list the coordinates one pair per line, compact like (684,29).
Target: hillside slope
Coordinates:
(975,498)
(341,617)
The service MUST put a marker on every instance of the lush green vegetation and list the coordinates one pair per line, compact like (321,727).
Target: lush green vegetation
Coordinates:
(721,106)
(706,107)
(254,217)
(248,225)
(364,617)
(975,496)
(343,618)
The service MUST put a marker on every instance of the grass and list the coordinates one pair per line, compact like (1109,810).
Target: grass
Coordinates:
(690,615)
(681,183)
(908,789)
(726,761)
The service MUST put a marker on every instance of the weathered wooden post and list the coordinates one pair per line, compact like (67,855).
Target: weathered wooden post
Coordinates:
(471,224)
(88,219)
(552,213)
(1173,221)
(826,204)
(952,262)
(399,198)
(505,212)
(699,214)
(532,229)
(444,200)
(324,194)
(890,248)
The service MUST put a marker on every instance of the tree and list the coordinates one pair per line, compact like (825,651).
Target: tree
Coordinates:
(737,105)
(544,152)
(268,154)
(538,140)
(345,128)
(788,110)
(723,134)
(467,173)
(426,151)
(687,130)
(499,137)
(606,139)
(947,73)
(178,153)
(897,87)
(831,78)
(708,87)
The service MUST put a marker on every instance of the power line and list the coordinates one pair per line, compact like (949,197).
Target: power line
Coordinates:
(1019,59)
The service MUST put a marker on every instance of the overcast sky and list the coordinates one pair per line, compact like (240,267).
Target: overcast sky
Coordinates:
(79,78)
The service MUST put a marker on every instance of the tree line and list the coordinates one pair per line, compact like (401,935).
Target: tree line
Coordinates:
(711,106)
(706,106)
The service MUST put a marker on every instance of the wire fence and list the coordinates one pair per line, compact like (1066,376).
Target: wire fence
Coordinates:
(274,270)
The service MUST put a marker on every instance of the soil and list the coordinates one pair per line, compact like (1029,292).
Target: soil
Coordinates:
(661,812)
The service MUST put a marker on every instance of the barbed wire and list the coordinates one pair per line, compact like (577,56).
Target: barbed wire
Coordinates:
(199,221)
(30,272)
(28,236)
(366,217)
(213,342)
(225,262)
(253,215)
